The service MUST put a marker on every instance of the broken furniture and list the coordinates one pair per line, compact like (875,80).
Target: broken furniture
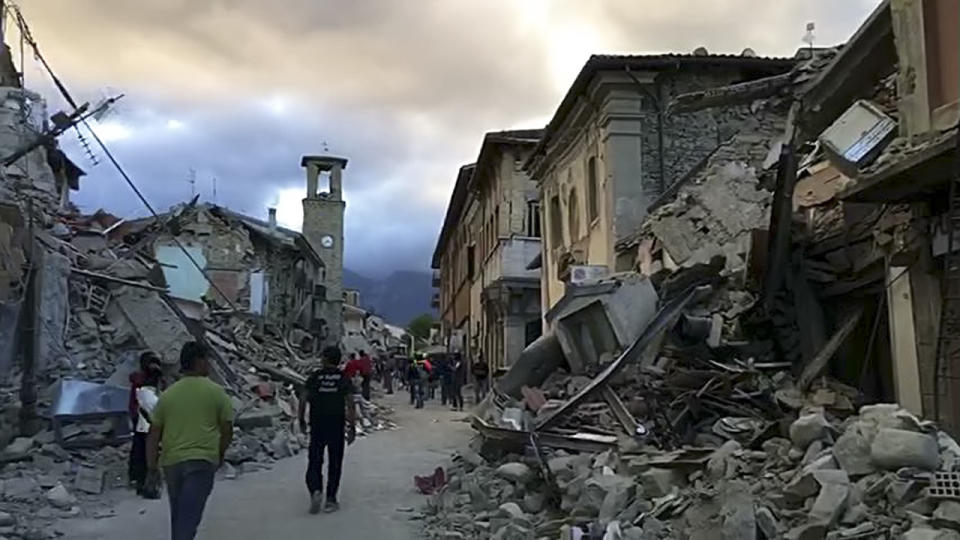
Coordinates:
(591,324)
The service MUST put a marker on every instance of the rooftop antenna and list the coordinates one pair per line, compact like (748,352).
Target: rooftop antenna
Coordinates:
(214,189)
(808,38)
(192,180)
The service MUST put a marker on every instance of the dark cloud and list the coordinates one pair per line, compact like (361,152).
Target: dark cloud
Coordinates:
(240,89)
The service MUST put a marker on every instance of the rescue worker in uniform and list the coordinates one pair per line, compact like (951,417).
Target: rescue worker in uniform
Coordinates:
(328,392)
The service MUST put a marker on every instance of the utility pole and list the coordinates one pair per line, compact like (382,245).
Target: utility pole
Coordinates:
(29,424)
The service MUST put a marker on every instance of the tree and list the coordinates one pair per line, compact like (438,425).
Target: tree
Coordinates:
(419,327)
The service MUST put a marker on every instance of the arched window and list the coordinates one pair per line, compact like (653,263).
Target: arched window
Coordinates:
(593,189)
(574,211)
(555,217)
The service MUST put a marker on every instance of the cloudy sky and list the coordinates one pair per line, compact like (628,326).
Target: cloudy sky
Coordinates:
(238,90)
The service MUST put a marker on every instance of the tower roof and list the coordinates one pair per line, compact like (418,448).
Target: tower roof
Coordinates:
(324,160)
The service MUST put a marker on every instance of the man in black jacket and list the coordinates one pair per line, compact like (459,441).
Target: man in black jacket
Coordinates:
(481,376)
(328,392)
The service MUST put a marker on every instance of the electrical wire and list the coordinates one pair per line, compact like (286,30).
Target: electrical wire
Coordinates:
(25,34)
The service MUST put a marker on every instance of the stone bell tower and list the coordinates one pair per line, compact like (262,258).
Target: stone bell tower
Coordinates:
(323,228)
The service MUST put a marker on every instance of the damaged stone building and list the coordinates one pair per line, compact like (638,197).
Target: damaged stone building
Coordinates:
(489,299)
(254,265)
(761,340)
(613,147)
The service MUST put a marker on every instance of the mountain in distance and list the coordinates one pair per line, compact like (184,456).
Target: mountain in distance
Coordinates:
(398,298)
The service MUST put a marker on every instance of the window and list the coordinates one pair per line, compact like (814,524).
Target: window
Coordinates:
(574,209)
(556,232)
(533,219)
(471,261)
(593,204)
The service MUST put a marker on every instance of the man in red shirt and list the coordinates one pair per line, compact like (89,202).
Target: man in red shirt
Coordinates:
(149,362)
(366,373)
(353,367)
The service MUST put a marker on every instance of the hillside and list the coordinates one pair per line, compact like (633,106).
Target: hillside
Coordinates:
(398,298)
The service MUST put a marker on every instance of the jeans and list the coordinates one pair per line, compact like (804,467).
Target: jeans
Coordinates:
(480,389)
(137,470)
(444,391)
(189,483)
(325,436)
(365,387)
(456,396)
(388,381)
(416,394)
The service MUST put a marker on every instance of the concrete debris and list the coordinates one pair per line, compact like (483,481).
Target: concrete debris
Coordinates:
(947,514)
(926,533)
(18,449)
(808,428)
(59,497)
(518,473)
(730,491)
(896,448)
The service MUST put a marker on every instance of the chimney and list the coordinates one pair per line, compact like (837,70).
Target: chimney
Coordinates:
(272,218)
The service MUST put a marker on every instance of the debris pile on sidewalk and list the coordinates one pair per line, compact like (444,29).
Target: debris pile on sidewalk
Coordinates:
(880,474)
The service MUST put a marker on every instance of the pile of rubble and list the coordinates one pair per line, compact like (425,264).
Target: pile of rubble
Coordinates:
(880,474)
(104,304)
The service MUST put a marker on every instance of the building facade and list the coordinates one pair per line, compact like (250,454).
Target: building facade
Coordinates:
(612,148)
(254,265)
(505,216)
(489,301)
(455,267)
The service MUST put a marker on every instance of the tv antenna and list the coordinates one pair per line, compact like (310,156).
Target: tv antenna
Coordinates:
(192,180)
(808,38)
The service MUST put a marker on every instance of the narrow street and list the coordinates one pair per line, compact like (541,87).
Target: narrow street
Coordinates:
(376,493)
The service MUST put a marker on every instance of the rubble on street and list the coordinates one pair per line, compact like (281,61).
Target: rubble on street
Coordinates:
(868,475)
(749,364)
(113,312)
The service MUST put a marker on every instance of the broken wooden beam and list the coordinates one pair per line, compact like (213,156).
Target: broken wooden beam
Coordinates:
(665,319)
(121,281)
(819,362)
(620,411)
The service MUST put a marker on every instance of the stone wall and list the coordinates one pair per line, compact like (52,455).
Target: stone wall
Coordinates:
(322,217)
(718,205)
(688,138)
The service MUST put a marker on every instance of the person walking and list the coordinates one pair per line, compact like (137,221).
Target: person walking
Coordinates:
(366,373)
(410,377)
(444,376)
(387,371)
(193,422)
(328,393)
(481,382)
(147,395)
(458,377)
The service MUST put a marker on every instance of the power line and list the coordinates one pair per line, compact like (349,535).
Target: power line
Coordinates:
(25,32)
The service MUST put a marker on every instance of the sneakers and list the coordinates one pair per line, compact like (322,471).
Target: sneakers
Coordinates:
(331,506)
(316,501)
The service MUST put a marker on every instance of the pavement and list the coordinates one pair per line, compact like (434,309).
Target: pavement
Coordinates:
(377,495)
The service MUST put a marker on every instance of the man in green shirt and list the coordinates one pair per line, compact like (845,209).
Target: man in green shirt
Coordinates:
(193,424)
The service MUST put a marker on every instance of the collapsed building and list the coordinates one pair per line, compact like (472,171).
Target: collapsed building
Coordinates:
(778,325)
(82,296)
(364,330)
